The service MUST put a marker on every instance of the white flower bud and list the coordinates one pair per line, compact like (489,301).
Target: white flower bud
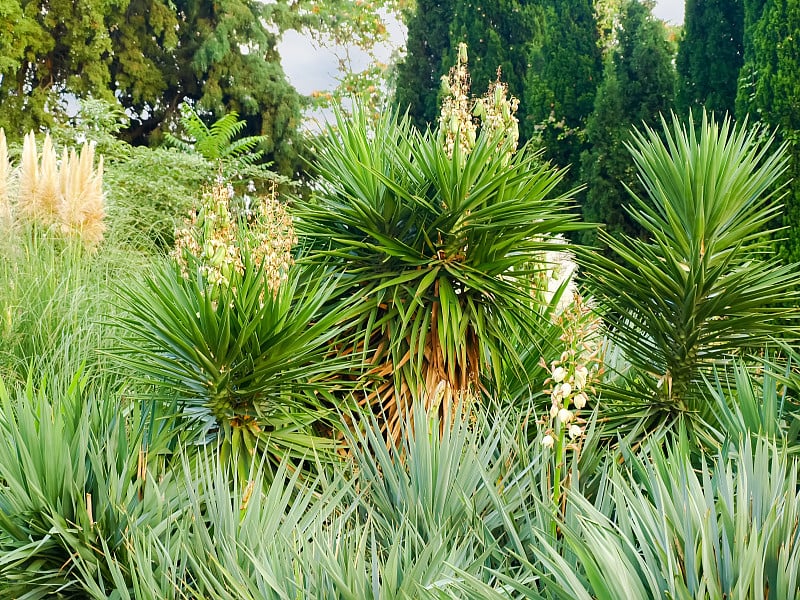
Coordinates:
(566,389)
(548,441)
(462,53)
(575,431)
(581,373)
(564,415)
(580,400)
(553,409)
(558,374)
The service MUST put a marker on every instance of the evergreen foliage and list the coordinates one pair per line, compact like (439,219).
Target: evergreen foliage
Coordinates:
(149,56)
(565,69)
(711,55)
(548,53)
(638,85)
(497,34)
(144,478)
(418,76)
(770,91)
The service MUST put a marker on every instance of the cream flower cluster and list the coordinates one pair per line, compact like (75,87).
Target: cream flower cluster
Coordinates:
(572,376)
(455,119)
(498,114)
(273,237)
(208,239)
(461,114)
(215,243)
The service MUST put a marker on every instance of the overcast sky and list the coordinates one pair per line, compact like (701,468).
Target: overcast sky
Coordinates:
(310,68)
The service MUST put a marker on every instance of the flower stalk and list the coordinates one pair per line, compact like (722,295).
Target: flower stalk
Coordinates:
(570,384)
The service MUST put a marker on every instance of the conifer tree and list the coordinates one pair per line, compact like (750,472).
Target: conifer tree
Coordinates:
(565,68)
(419,75)
(769,91)
(148,56)
(710,55)
(498,34)
(638,86)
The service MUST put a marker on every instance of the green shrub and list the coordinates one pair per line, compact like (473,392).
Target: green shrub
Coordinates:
(150,192)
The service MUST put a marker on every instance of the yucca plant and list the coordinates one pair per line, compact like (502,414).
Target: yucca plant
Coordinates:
(705,285)
(249,368)
(438,249)
(755,401)
(249,539)
(78,473)
(238,335)
(463,497)
(664,528)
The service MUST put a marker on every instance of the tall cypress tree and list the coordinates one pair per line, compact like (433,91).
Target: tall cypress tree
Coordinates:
(638,86)
(419,75)
(753,11)
(771,74)
(770,90)
(565,67)
(547,50)
(710,55)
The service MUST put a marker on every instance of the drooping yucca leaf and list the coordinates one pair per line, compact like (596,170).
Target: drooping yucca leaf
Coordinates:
(438,249)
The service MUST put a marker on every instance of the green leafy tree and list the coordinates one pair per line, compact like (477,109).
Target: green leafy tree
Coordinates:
(51,48)
(341,26)
(638,86)
(710,55)
(606,165)
(149,55)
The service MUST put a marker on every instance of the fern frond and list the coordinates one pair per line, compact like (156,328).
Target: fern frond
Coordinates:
(216,142)
(192,124)
(176,142)
(244,150)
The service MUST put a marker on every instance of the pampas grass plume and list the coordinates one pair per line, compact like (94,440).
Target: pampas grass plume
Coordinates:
(47,187)
(82,207)
(69,195)
(27,199)
(5,177)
